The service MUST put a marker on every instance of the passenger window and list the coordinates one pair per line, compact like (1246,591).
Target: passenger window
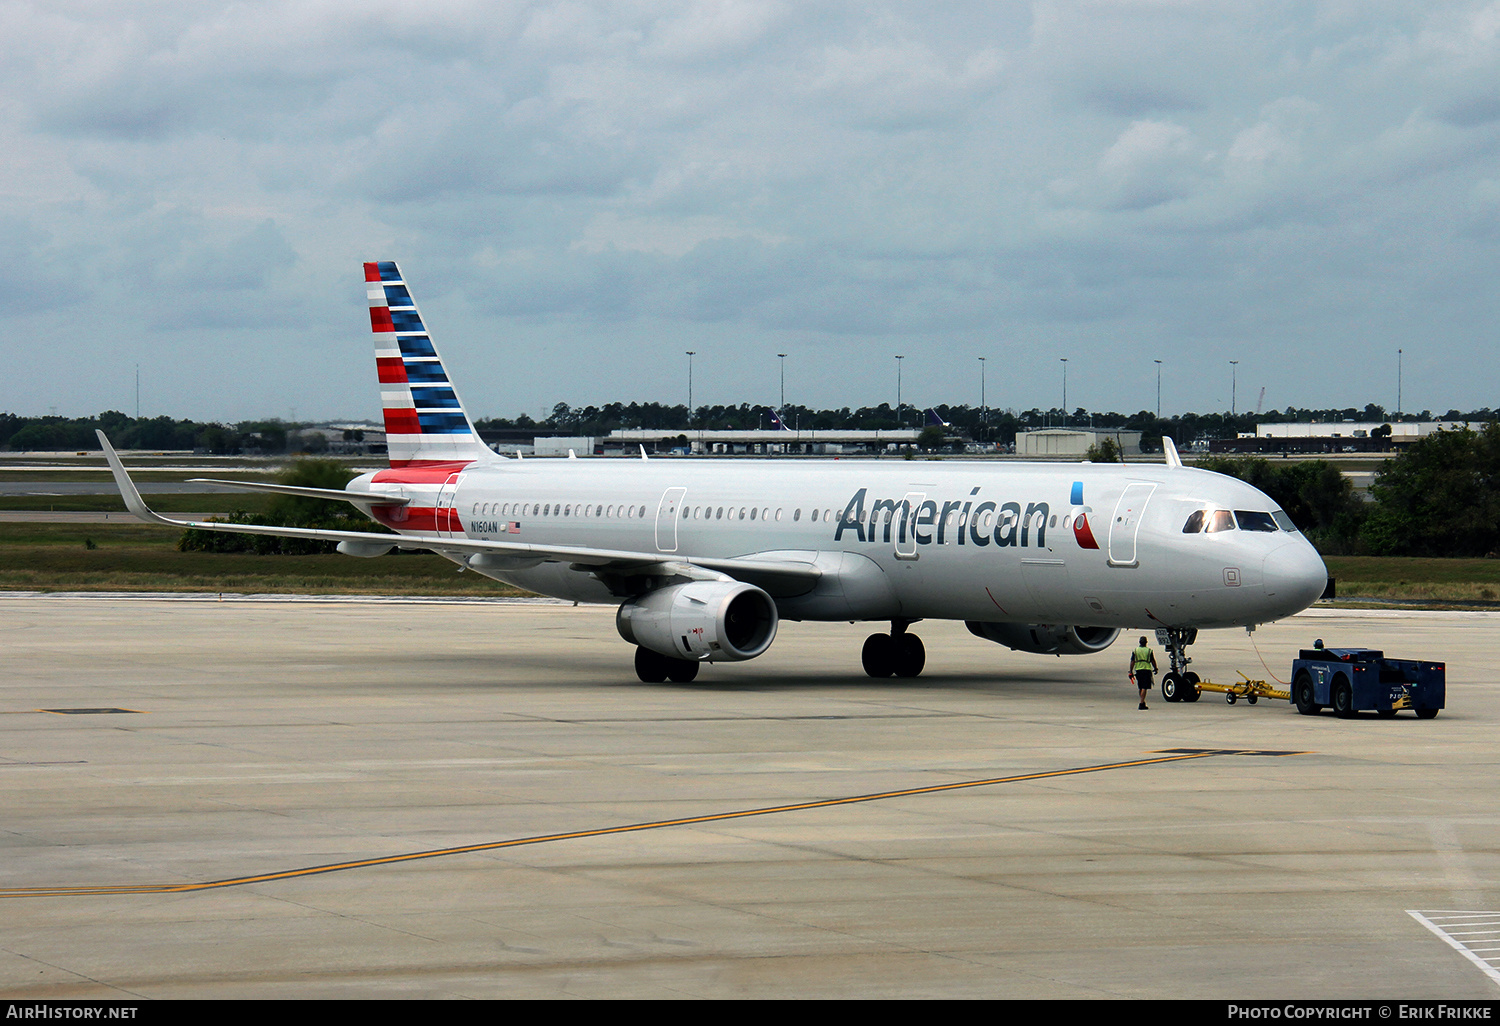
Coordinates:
(1194,522)
(797,514)
(1254,520)
(1220,520)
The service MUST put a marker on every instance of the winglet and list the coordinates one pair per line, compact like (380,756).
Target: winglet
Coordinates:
(1169,447)
(128,492)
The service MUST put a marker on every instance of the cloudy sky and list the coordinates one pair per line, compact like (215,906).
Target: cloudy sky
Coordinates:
(579,192)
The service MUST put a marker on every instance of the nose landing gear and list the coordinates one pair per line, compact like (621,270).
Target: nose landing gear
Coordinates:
(897,654)
(1179,684)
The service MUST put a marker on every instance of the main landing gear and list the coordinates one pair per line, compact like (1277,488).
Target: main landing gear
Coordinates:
(1179,684)
(654,668)
(897,654)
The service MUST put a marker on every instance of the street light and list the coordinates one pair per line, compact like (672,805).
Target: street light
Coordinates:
(1064,360)
(1398,383)
(898,390)
(690,353)
(1233,372)
(1158,388)
(982,407)
(782,357)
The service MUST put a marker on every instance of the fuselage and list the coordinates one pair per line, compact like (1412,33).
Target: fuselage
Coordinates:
(1106,545)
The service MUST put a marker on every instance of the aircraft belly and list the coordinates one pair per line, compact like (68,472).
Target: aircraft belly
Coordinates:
(555,580)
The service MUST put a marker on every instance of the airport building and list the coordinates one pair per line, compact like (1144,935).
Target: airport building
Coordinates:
(1074,441)
(1336,436)
(728,443)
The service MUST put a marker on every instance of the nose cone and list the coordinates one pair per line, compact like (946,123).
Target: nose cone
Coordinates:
(1294,576)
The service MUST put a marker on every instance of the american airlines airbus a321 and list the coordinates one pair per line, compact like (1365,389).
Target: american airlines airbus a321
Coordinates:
(705,558)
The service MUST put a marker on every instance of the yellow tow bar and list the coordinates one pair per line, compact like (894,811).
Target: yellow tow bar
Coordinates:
(1250,690)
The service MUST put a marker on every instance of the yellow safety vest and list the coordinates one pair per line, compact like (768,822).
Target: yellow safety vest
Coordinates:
(1142,659)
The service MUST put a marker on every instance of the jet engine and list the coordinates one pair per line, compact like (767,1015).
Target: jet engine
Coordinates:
(1045,638)
(702,621)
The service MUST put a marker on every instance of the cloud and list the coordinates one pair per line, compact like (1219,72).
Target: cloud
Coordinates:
(866,177)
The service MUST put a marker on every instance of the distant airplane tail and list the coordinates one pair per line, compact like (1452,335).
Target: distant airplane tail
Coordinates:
(933,420)
(424,421)
(777,424)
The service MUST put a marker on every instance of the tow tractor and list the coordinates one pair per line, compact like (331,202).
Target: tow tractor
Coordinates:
(1351,679)
(1346,679)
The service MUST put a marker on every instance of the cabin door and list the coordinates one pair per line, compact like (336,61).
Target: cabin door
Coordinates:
(1127,523)
(668,512)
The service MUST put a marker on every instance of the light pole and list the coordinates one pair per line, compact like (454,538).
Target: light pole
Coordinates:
(690,353)
(1064,362)
(982,408)
(782,357)
(1158,388)
(898,390)
(1398,384)
(1234,366)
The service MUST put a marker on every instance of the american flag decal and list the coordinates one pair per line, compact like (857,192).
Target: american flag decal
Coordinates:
(513,527)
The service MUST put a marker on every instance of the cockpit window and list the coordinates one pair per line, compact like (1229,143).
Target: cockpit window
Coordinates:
(1285,521)
(1253,520)
(1194,522)
(1220,520)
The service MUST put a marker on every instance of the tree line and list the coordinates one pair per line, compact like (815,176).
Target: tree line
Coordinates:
(61,434)
(272,436)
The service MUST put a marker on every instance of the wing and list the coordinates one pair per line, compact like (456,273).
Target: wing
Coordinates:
(784,577)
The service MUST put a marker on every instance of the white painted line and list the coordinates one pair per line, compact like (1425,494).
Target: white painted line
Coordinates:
(1460,919)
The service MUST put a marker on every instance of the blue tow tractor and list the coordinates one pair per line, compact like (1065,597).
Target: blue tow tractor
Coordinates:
(1349,680)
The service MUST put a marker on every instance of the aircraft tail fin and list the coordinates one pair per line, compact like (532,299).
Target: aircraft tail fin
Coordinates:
(424,421)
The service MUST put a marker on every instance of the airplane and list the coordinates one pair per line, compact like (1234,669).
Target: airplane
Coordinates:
(777,424)
(704,559)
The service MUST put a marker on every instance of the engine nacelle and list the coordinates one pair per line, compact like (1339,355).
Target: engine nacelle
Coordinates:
(707,621)
(1045,638)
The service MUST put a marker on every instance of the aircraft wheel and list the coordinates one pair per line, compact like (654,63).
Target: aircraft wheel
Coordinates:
(1302,694)
(682,671)
(910,655)
(1426,714)
(1343,699)
(1190,692)
(1171,687)
(878,655)
(651,667)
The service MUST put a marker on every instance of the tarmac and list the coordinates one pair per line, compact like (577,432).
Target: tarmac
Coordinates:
(386,799)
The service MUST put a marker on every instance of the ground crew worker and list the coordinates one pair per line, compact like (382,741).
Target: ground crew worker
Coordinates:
(1142,666)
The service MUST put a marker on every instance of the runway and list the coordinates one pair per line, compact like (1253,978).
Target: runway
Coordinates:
(468,799)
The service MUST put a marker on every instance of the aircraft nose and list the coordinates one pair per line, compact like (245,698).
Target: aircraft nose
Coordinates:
(1294,575)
